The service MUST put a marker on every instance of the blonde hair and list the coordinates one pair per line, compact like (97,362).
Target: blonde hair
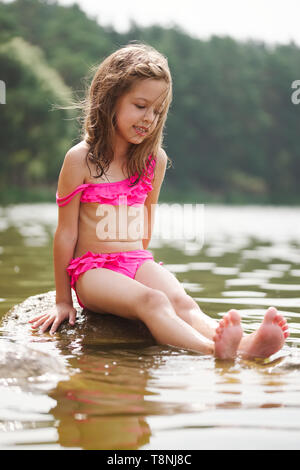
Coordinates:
(112,78)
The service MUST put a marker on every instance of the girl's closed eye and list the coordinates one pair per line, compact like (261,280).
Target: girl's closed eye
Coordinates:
(156,111)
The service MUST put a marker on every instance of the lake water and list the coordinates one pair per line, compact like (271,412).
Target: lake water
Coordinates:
(148,396)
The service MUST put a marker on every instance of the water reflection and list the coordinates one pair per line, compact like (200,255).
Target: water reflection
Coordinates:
(150,397)
(108,402)
(102,406)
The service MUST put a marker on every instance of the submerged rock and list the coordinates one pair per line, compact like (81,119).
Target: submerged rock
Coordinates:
(22,362)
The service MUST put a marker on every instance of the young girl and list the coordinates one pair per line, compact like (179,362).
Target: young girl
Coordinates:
(108,187)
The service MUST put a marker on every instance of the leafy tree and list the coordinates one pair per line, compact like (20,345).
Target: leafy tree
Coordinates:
(34,137)
(232,131)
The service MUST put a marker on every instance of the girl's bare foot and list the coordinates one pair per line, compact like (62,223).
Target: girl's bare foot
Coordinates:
(228,336)
(268,339)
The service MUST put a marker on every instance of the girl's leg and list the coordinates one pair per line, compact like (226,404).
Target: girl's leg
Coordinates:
(267,340)
(155,276)
(103,290)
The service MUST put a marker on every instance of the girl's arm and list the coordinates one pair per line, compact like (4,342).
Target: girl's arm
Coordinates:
(65,239)
(152,198)
(63,249)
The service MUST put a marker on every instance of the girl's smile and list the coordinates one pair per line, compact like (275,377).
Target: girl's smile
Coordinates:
(141,130)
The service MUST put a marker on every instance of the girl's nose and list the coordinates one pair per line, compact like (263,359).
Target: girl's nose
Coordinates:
(149,115)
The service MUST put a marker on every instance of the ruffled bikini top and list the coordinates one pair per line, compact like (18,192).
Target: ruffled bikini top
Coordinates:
(116,193)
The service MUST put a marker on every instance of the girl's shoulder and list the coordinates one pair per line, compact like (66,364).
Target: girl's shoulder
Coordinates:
(78,152)
(74,169)
(75,157)
(161,156)
(161,160)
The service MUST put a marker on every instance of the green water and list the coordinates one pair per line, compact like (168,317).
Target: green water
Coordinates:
(153,397)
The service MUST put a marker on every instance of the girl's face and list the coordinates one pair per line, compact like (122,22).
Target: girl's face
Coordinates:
(137,111)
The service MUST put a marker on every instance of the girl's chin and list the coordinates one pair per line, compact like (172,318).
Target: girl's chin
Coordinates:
(134,138)
(137,138)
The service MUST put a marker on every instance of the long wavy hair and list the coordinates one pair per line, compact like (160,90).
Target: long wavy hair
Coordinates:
(112,79)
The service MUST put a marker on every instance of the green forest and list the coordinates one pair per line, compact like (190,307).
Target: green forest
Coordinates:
(232,131)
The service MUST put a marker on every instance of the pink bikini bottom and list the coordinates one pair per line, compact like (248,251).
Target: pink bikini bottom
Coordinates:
(126,262)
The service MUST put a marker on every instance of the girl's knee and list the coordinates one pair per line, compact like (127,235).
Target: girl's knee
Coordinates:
(182,301)
(155,298)
(155,301)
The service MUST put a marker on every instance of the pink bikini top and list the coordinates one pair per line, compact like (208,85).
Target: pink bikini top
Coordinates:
(116,193)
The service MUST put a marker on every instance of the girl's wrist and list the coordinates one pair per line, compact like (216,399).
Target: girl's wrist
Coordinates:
(66,302)
(64,296)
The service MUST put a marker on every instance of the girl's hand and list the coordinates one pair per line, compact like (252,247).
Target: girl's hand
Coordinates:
(55,317)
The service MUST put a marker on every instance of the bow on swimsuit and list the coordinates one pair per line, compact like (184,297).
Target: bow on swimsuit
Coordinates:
(126,262)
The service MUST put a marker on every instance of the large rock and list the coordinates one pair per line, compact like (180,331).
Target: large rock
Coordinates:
(25,353)
(90,327)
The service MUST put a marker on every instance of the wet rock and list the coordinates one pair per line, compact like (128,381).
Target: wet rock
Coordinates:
(24,362)
(28,357)
(90,327)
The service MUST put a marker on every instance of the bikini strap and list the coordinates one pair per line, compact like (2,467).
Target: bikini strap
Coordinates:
(62,201)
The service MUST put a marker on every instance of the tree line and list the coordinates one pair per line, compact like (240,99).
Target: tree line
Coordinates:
(232,130)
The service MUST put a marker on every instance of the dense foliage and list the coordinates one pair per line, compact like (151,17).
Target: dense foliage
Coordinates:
(232,132)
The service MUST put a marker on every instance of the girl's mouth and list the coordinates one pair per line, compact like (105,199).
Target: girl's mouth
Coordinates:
(140,130)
